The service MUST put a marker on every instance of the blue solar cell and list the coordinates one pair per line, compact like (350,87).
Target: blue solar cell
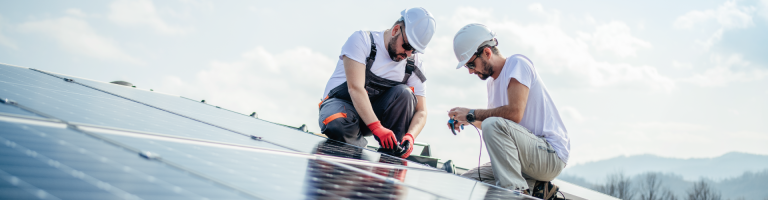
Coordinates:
(57,163)
(11,187)
(75,103)
(5,108)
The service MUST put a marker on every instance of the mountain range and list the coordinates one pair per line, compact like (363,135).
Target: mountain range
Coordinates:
(728,165)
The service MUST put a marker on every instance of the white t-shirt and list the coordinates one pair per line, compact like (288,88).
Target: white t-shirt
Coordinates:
(541,116)
(358,47)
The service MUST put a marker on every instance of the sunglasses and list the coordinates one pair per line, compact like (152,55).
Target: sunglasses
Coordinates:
(407,46)
(471,63)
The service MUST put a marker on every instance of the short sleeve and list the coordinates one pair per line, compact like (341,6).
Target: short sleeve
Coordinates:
(357,47)
(521,70)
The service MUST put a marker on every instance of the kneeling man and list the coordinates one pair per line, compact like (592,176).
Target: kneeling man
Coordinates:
(525,137)
(378,86)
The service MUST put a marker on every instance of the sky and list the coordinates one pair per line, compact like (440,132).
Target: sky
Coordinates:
(682,79)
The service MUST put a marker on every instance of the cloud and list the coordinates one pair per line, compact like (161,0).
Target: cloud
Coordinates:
(727,69)
(615,37)
(727,16)
(5,41)
(138,13)
(283,88)
(76,35)
(568,53)
(681,65)
(75,12)
(763,9)
(571,114)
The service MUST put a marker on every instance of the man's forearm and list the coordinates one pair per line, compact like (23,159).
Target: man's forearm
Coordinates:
(417,123)
(507,112)
(362,105)
(355,72)
(420,117)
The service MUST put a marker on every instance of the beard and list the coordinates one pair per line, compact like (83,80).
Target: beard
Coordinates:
(487,68)
(391,50)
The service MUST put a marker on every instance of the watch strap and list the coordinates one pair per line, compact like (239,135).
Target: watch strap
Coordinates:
(471,116)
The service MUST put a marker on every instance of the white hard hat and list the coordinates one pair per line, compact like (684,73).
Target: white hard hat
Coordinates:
(419,27)
(469,38)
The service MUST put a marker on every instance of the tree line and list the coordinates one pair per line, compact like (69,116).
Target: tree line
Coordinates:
(651,187)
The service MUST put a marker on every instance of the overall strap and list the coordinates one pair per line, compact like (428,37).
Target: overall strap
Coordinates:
(372,55)
(410,67)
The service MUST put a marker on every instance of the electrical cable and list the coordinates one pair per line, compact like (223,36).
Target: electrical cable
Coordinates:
(481,152)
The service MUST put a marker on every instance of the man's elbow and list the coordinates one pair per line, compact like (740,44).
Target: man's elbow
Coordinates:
(515,117)
(355,89)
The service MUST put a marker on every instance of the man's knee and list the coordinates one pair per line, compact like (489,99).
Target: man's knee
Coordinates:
(340,125)
(500,129)
(403,92)
(402,89)
(491,125)
(338,120)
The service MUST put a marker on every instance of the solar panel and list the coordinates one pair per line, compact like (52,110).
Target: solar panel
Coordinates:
(72,138)
(39,162)
(75,103)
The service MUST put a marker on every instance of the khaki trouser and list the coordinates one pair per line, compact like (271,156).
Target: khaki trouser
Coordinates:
(518,158)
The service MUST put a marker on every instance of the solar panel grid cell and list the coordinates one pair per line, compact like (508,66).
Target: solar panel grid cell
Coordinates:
(11,187)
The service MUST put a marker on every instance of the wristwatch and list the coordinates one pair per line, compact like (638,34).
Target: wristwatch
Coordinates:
(471,116)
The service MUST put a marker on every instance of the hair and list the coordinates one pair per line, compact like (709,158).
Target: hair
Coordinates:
(400,22)
(494,49)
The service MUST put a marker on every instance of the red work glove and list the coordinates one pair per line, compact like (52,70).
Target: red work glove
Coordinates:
(407,137)
(386,137)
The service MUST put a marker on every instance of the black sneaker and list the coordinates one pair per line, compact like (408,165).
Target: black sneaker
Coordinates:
(545,190)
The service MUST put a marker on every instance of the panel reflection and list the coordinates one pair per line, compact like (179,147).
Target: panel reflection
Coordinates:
(330,181)
(339,149)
